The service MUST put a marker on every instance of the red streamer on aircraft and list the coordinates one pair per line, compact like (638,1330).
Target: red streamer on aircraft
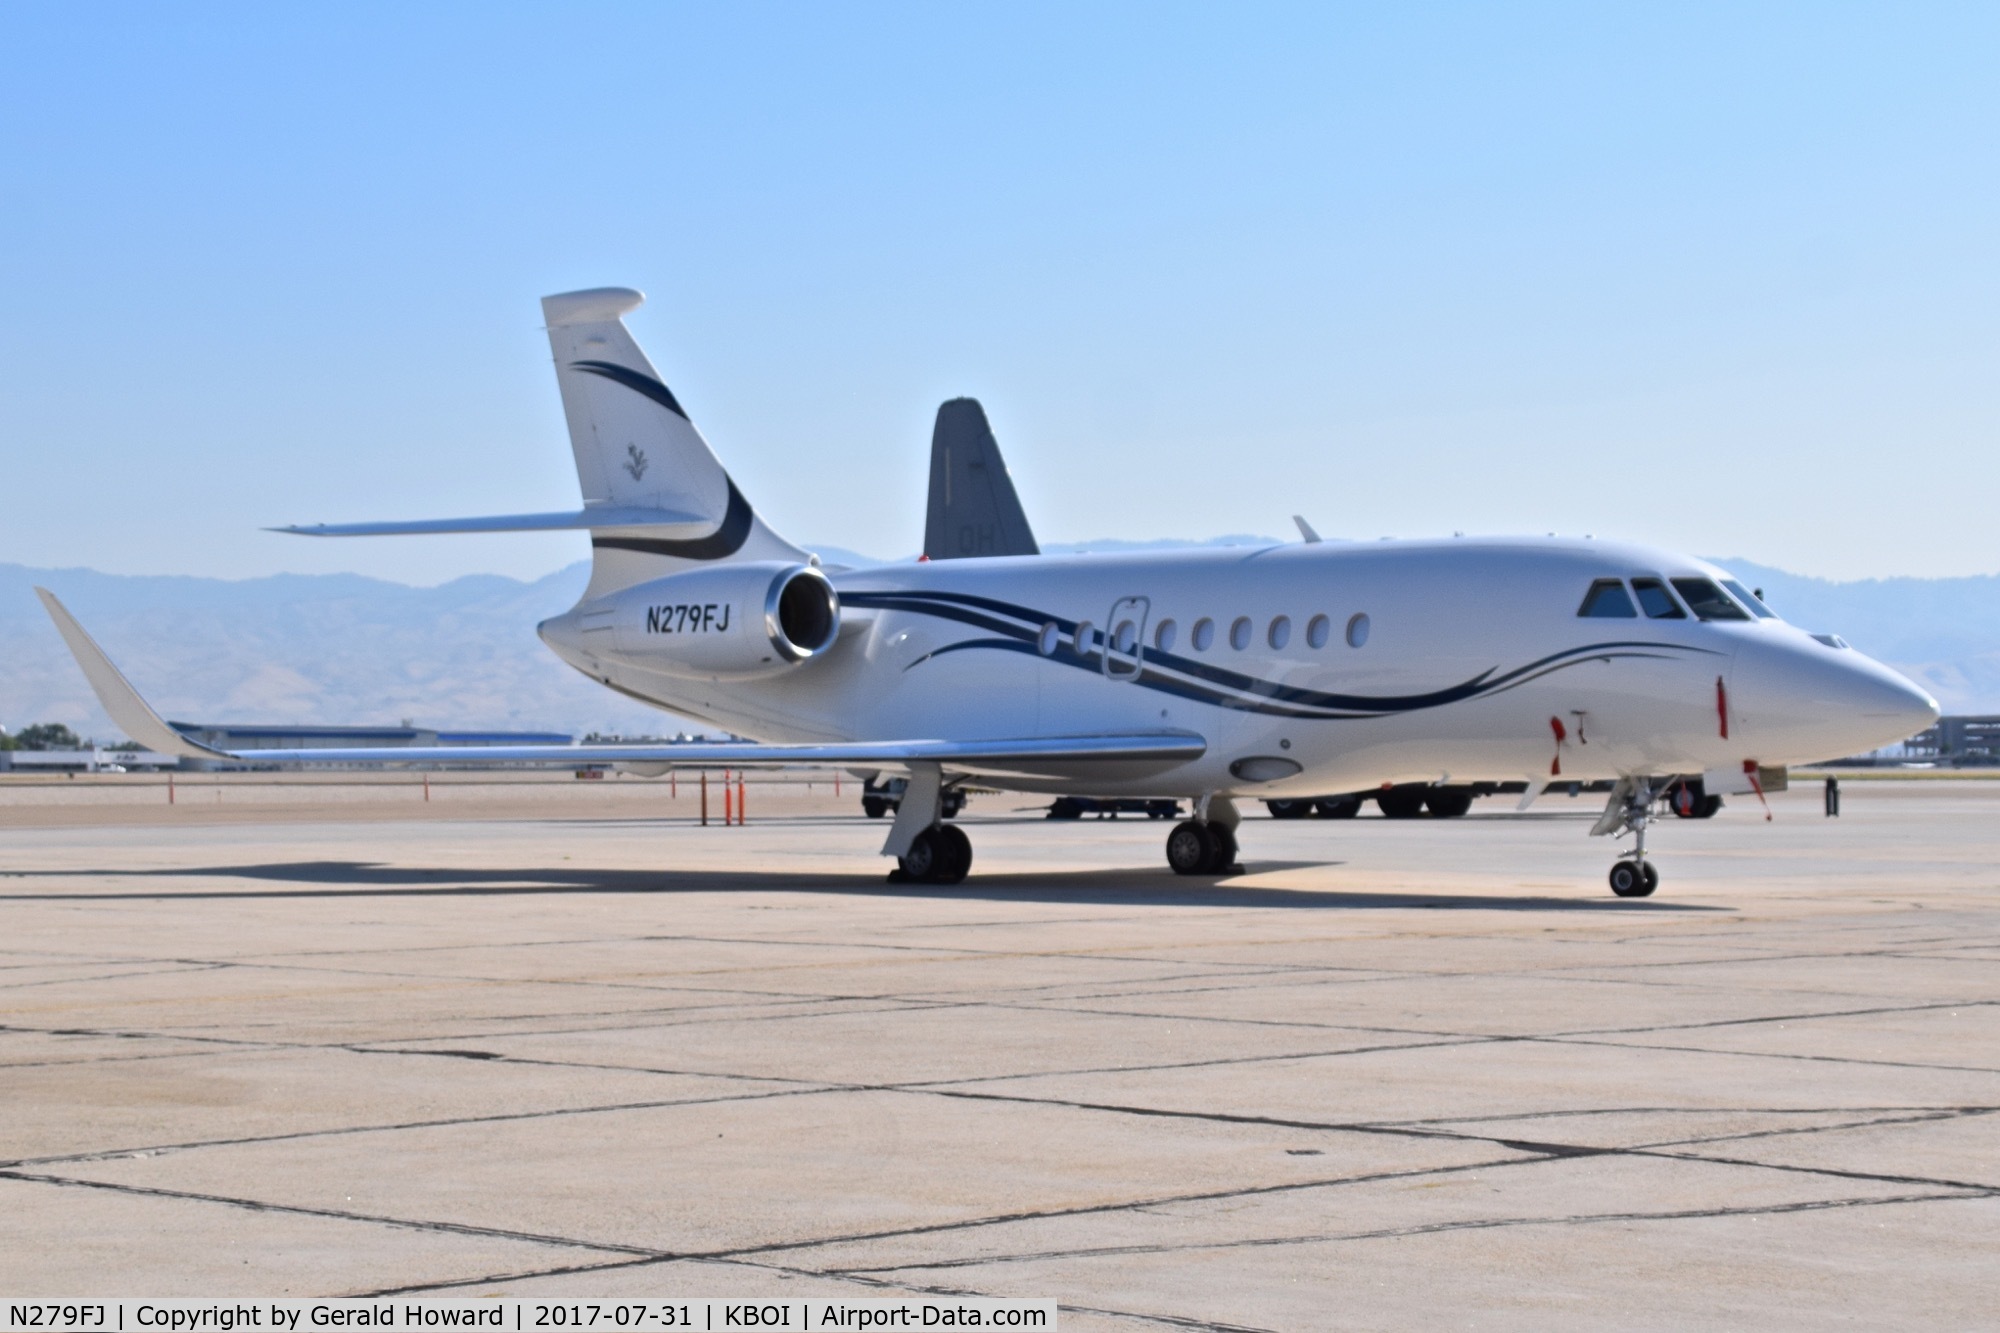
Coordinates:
(1556,765)
(1756,785)
(1722,706)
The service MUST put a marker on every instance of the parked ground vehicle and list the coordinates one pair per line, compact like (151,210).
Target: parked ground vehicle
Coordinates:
(1076,807)
(879,797)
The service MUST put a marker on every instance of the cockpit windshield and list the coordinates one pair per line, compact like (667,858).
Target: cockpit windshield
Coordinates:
(1708,601)
(1607,600)
(1659,604)
(1749,599)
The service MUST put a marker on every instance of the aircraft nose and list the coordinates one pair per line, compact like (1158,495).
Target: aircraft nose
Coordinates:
(1902,701)
(1807,701)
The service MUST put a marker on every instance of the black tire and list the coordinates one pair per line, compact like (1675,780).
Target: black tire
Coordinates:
(1065,807)
(926,854)
(952,804)
(874,807)
(1191,848)
(1289,809)
(1337,807)
(1225,848)
(1633,879)
(1405,802)
(1685,799)
(955,859)
(1448,802)
(1709,805)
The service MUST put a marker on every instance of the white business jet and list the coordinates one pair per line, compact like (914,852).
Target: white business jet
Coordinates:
(1209,675)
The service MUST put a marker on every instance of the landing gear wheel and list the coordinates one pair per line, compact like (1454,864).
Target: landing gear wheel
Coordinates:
(1225,851)
(1191,848)
(1634,879)
(1338,807)
(1448,802)
(957,849)
(1687,800)
(940,855)
(1289,809)
(874,807)
(1402,802)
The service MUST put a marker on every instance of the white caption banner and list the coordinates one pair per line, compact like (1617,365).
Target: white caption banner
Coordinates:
(520,1316)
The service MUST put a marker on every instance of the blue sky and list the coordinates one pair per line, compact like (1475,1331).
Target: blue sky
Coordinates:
(1721,278)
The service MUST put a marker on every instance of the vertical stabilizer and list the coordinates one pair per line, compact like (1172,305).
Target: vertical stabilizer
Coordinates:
(973,508)
(636,448)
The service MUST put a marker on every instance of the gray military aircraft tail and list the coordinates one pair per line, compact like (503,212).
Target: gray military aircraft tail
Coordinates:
(973,508)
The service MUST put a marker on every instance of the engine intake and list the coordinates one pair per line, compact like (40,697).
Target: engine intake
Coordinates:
(729,620)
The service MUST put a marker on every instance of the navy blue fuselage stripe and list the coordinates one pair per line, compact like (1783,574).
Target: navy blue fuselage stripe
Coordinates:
(635,381)
(725,541)
(1306,703)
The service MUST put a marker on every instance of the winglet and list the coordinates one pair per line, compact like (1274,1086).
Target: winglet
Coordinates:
(127,709)
(1305,529)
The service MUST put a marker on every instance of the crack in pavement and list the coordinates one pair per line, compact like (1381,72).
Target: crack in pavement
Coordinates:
(1424,1229)
(330,1214)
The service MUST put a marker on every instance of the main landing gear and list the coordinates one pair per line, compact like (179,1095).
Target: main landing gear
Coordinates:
(1206,844)
(927,850)
(941,854)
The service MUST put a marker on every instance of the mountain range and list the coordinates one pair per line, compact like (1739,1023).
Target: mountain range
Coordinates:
(341,648)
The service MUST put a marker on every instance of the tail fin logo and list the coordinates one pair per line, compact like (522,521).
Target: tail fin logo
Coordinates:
(635,462)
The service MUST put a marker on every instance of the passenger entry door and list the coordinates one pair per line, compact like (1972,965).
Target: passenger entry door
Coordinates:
(1125,638)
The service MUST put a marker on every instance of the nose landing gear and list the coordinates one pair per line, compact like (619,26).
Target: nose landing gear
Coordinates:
(1630,808)
(1634,879)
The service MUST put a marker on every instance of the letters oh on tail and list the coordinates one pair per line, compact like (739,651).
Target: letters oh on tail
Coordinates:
(636,449)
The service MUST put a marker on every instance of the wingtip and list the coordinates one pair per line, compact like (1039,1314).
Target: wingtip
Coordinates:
(116,694)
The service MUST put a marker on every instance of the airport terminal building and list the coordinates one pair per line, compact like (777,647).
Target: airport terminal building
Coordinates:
(253,736)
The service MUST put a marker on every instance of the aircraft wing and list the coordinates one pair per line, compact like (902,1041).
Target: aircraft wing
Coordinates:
(127,709)
(1041,755)
(1105,755)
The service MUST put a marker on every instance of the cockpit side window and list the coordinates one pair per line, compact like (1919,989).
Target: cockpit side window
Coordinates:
(1656,601)
(1608,600)
(1749,599)
(1708,601)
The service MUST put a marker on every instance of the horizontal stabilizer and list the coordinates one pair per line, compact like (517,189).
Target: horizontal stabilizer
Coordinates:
(133,715)
(667,523)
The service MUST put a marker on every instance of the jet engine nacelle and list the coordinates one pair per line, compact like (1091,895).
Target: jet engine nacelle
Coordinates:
(730,620)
